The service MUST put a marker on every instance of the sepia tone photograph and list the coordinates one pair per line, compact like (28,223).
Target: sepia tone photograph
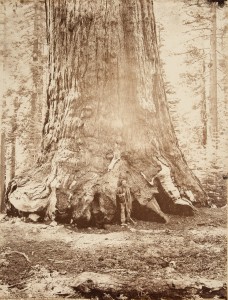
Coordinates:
(113,149)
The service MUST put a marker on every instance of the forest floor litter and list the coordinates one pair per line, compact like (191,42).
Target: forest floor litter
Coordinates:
(184,259)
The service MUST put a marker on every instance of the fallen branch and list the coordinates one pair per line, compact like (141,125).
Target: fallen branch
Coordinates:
(61,261)
(70,296)
(16,284)
(21,253)
(132,221)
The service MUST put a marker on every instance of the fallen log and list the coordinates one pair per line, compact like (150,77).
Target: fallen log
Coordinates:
(91,283)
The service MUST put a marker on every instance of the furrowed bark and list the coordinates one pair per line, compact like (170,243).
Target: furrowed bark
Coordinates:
(107,116)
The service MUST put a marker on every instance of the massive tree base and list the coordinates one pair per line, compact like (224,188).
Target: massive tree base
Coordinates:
(88,197)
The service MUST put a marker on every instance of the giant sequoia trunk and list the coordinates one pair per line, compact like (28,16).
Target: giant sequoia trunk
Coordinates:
(107,116)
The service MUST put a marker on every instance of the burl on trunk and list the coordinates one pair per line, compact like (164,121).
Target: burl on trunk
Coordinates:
(107,119)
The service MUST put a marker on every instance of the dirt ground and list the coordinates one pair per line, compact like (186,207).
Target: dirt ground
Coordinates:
(184,259)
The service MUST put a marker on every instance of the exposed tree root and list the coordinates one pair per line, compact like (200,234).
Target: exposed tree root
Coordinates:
(21,253)
(89,197)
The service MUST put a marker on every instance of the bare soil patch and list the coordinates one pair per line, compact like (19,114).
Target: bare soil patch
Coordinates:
(183,259)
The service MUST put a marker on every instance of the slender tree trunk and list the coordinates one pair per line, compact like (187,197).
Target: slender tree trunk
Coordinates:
(107,117)
(2,106)
(37,75)
(204,116)
(212,145)
(213,76)
(12,141)
(36,83)
(3,171)
(12,156)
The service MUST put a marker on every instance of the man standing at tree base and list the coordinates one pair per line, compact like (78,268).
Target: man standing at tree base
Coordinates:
(125,201)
